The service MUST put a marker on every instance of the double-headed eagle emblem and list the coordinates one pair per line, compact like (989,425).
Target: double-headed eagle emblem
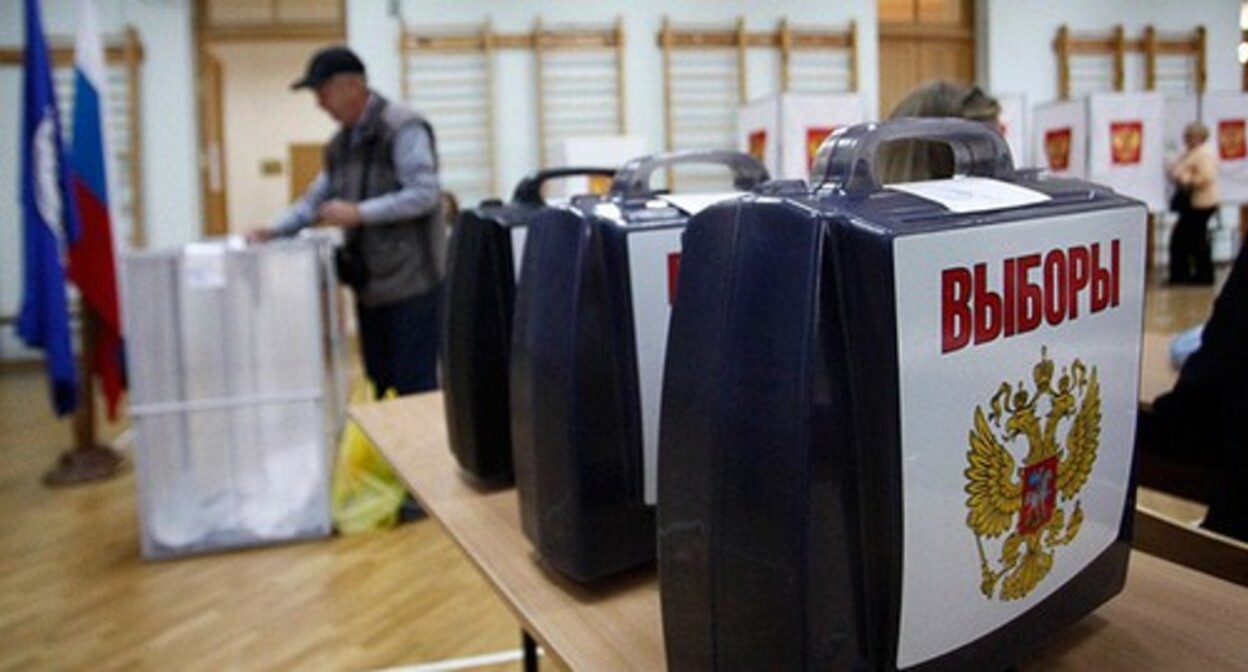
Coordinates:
(1036,503)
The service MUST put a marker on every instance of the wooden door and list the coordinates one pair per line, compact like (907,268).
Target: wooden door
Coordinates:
(921,41)
(212,146)
(305,161)
(219,22)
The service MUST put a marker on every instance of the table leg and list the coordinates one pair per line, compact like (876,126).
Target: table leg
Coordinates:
(530,652)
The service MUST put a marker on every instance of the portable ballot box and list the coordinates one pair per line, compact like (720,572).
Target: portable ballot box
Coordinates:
(483,261)
(234,360)
(898,422)
(587,360)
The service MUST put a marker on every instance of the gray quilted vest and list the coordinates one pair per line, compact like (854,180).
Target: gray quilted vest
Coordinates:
(406,257)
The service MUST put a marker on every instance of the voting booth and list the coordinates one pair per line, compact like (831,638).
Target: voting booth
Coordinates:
(785,131)
(1012,122)
(235,390)
(587,357)
(1113,139)
(1226,116)
(483,260)
(1060,130)
(1126,145)
(898,423)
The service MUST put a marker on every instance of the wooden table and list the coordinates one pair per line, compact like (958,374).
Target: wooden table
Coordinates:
(1167,618)
(1158,531)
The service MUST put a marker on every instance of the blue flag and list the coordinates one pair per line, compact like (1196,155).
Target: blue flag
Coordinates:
(49,221)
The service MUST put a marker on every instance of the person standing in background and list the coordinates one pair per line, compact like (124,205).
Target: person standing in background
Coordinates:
(1195,178)
(380,185)
(911,160)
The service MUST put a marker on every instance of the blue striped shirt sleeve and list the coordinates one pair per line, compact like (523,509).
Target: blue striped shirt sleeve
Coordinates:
(414,167)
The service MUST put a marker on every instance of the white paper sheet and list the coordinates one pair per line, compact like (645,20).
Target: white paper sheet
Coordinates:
(972,194)
(695,203)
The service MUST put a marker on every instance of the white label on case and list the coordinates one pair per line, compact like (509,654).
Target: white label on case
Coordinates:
(973,351)
(651,279)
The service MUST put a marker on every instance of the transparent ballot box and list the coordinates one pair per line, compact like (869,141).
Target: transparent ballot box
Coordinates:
(236,392)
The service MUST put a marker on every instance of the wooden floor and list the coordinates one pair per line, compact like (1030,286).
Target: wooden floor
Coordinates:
(75,593)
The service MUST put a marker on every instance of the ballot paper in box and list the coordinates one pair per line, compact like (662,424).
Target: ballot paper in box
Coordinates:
(483,261)
(898,422)
(235,391)
(587,357)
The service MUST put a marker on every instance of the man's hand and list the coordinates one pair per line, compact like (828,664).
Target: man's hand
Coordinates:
(340,213)
(259,236)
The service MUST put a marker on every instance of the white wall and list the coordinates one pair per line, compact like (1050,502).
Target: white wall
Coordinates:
(171,184)
(373,31)
(262,117)
(10,206)
(1016,39)
(1015,43)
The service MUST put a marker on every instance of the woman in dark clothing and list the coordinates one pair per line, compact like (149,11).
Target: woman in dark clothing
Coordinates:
(1204,419)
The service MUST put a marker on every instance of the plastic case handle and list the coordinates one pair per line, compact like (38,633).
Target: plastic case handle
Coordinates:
(846,160)
(530,188)
(633,179)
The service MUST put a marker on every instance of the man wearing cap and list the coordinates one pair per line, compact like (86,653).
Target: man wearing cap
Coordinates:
(380,185)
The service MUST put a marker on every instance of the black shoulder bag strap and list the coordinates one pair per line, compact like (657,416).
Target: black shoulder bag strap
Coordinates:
(352,264)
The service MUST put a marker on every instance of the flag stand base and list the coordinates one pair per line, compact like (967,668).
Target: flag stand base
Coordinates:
(84,465)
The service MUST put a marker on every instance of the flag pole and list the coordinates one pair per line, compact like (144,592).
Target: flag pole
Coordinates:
(90,262)
(88,461)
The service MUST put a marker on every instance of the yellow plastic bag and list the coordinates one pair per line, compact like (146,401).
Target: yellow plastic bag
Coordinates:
(366,494)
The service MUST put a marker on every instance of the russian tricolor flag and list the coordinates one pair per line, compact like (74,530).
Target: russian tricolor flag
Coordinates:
(91,257)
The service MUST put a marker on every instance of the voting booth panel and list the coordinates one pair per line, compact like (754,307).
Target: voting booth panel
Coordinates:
(594,150)
(1223,114)
(482,264)
(1226,116)
(1176,113)
(1013,124)
(898,423)
(235,400)
(1126,147)
(785,131)
(587,358)
(1126,141)
(1060,131)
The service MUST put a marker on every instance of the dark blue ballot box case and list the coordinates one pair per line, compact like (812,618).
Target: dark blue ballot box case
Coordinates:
(590,325)
(483,262)
(898,422)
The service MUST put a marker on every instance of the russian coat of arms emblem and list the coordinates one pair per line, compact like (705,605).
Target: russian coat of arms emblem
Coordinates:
(1126,140)
(758,144)
(815,135)
(1057,148)
(1231,144)
(1021,514)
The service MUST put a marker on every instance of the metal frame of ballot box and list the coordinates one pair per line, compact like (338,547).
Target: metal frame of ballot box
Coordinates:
(237,392)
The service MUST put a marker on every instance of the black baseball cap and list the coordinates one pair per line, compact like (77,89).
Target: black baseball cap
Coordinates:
(328,62)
